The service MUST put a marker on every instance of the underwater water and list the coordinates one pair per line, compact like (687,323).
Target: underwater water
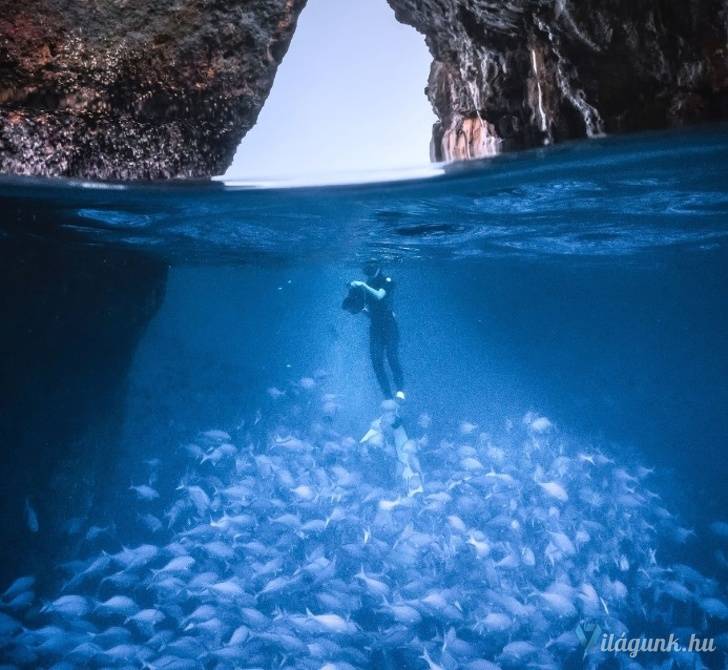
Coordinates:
(199,471)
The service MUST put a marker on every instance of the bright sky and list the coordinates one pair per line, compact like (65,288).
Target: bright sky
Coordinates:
(348,96)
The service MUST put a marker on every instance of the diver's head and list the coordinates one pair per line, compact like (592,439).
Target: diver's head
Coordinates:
(371,268)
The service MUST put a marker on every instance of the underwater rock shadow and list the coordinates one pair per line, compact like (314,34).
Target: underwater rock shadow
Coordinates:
(73,318)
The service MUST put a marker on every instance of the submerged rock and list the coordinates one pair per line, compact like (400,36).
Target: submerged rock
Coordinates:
(72,321)
(530,72)
(129,90)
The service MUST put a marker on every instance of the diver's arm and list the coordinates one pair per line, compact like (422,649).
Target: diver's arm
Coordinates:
(378,293)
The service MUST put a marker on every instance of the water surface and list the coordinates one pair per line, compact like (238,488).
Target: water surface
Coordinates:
(585,283)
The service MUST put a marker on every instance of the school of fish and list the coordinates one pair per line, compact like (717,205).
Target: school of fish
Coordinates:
(291,544)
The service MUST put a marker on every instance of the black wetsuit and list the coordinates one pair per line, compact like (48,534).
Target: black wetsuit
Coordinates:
(383,334)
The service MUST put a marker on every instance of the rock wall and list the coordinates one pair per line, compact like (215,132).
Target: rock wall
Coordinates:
(158,89)
(524,73)
(72,316)
(134,90)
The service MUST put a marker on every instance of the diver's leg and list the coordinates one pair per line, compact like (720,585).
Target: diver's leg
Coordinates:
(392,346)
(376,352)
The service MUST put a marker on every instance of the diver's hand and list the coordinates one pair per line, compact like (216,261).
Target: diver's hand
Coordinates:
(378,293)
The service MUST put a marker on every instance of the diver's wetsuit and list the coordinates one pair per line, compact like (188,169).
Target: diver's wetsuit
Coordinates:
(383,334)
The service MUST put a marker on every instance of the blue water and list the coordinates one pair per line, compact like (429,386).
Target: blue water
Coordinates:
(565,349)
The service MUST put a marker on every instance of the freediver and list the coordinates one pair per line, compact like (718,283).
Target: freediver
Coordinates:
(374,297)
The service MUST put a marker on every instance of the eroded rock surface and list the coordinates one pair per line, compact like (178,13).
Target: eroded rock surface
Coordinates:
(529,72)
(124,90)
(130,90)
(72,317)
